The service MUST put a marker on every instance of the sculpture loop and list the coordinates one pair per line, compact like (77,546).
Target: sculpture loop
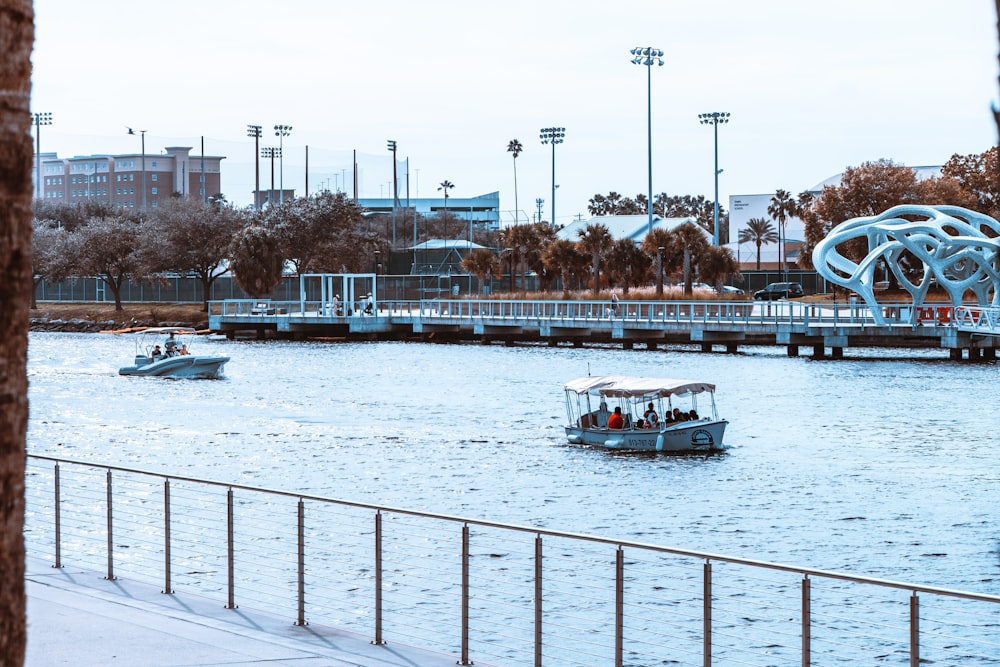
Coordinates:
(955,248)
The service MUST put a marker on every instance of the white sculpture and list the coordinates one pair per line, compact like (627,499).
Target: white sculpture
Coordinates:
(951,242)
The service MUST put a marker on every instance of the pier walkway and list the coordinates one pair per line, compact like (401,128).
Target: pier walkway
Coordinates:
(726,325)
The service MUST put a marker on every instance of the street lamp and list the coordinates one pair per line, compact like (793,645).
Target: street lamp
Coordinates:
(255,132)
(714,119)
(143,135)
(281,131)
(648,56)
(39,119)
(270,152)
(553,135)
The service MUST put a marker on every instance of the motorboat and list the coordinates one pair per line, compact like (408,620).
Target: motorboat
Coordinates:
(163,352)
(646,414)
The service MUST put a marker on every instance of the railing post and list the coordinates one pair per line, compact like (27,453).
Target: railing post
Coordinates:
(707,614)
(619,606)
(111,541)
(302,564)
(806,622)
(914,630)
(538,601)
(378,578)
(465,596)
(58,518)
(230,568)
(166,538)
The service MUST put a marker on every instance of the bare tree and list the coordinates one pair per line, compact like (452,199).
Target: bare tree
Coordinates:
(17,28)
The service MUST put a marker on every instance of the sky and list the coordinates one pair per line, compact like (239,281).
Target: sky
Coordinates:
(812,88)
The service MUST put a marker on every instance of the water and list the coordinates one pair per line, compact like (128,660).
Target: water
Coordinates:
(881,465)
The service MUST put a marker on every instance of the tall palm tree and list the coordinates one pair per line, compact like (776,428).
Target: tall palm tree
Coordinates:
(758,231)
(446,185)
(15,297)
(562,256)
(515,148)
(595,240)
(782,207)
(692,240)
(661,246)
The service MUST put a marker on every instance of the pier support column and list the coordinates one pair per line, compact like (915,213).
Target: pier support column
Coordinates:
(732,348)
(793,350)
(989,353)
(508,341)
(553,342)
(651,345)
(577,342)
(706,347)
(955,354)
(975,353)
(837,352)
(628,345)
(819,351)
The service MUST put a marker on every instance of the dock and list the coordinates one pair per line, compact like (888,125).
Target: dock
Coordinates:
(827,328)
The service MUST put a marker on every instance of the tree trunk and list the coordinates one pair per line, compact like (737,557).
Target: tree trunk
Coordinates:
(16,40)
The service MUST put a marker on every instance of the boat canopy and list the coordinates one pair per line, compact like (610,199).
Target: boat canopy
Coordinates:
(621,386)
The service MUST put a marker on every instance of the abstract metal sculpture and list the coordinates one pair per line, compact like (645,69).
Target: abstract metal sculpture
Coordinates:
(959,251)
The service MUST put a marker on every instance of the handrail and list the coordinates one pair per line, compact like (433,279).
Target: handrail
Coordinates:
(534,530)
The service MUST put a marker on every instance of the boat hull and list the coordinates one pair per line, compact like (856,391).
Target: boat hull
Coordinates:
(182,366)
(698,436)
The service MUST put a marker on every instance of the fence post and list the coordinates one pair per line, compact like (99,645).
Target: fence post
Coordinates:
(538,601)
(806,621)
(302,563)
(707,614)
(111,562)
(378,578)
(230,568)
(465,596)
(619,605)
(58,519)
(914,630)
(166,538)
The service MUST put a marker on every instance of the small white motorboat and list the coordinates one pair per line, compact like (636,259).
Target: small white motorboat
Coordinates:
(646,414)
(173,359)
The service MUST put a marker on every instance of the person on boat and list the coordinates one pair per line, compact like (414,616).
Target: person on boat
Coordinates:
(616,420)
(693,415)
(184,350)
(650,417)
(156,353)
(171,345)
(679,416)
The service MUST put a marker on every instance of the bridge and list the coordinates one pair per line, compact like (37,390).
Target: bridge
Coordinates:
(966,332)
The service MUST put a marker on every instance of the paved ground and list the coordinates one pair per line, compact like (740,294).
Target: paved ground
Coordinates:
(77,618)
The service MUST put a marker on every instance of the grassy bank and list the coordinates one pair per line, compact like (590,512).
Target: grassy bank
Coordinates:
(78,316)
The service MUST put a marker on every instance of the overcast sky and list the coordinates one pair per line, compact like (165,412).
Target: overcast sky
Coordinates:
(813,87)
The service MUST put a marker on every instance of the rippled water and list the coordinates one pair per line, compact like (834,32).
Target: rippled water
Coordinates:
(880,467)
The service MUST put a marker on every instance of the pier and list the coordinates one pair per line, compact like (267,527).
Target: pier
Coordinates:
(827,328)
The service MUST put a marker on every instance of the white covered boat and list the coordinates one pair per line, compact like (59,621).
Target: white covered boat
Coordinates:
(164,352)
(642,405)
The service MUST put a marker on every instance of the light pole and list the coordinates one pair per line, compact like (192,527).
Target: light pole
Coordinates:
(714,119)
(391,145)
(553,135)
(538,203)
(39,119)
(255,132)
(270,152)
(143,135)
(281,131)
(648,56)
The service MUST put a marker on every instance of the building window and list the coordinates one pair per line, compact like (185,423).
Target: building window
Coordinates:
(152,191)
(153,176)
(154,163)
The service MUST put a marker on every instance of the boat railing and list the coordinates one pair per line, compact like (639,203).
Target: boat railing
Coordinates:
(485,590)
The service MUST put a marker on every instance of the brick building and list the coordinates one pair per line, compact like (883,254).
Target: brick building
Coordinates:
(119,179)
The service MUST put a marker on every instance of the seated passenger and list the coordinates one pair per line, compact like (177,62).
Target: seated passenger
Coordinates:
(616,420)
(652,420)
(156,353)
(693,415)
(678,415)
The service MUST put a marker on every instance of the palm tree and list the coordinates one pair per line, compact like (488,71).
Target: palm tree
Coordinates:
(562,256)
(517,240)
(515,148)
(691,239)
(782,207)
(758,231)
(446,185)
(595,240)
(481,263)
(715,263)
(627,265)
(661,245)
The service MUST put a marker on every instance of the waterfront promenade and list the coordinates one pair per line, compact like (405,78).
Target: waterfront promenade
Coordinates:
(76,617)
(966,332)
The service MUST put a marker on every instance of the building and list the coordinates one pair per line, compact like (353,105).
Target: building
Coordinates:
(483,211)
(131,180)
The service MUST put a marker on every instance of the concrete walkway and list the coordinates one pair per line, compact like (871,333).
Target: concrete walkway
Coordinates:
(78,618)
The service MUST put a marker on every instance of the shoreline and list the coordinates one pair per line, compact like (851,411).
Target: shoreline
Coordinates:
(89,317)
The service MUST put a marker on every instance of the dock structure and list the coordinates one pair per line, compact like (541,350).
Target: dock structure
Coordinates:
(966,331)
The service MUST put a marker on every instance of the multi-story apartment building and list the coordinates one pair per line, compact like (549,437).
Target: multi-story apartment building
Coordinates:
(131,180)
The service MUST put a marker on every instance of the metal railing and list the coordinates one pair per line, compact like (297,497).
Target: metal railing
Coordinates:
(507,594)
(724,312)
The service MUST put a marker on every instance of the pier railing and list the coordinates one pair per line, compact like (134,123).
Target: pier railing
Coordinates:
(480,590)
(735,312)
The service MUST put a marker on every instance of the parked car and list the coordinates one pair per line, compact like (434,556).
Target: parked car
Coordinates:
(778,291)
(729,289)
